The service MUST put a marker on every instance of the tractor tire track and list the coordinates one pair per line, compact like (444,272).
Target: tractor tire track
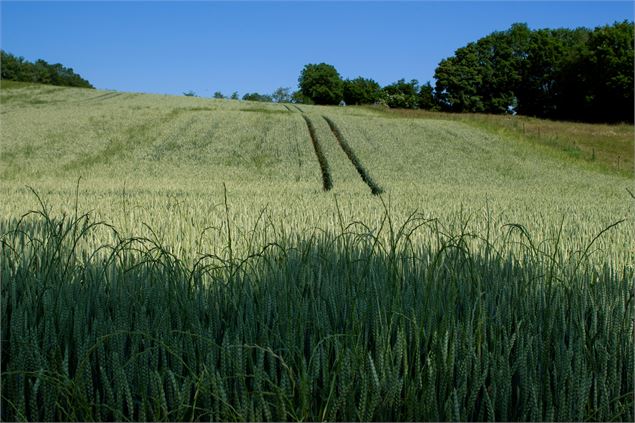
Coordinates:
(101,97)
(327,182)
(374,188)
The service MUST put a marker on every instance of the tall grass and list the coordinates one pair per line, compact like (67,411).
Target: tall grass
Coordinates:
(355,324)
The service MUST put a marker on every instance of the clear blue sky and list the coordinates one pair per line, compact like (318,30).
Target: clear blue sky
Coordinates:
(170,47)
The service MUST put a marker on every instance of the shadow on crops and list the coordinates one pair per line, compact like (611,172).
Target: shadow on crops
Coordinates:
(363,324)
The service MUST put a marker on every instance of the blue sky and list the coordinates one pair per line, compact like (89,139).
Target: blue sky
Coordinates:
(170,47)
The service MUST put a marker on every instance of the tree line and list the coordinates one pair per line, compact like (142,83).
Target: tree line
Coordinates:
(280,95)
(18,69)
(572,74)
(322,84)
(569,74)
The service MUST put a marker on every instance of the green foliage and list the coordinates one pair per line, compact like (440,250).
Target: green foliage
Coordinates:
(299,98)
(609,64)
(402,94)
(18,69)
(264,98)
(218,95)
(189,93)
(282,95)
(361,91)
(458,81)
(321,83)
(426,97)
(553,82)
(481,76)
(234,96)
(561,74)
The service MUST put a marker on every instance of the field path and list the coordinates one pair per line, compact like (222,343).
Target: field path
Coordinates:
(101,97)
(327,182)
(374,188)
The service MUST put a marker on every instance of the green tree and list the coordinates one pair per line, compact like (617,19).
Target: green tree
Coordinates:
(282,95)
(537,90)
(482,76)
(502,58)
(189,93)
(17,69)
(426,97)
(609,67)
(458,81)
(321,83)
(402,94)
(553,84)
(234,95)
(569,74)
(571,78)
(11,66)
(257,97)
(298,97)
(218,95)
(361,91)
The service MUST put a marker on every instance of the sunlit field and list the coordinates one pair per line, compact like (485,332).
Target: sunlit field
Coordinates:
(176,258)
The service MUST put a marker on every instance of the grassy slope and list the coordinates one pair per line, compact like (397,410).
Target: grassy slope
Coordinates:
(457,318)
(609,148)
(154,147)
(82,129)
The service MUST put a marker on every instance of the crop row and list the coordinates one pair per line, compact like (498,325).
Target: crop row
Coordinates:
(374,188)
(345,146)
(327,182)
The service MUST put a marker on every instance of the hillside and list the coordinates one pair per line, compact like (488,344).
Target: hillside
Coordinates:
(156,148)
(173,258)
(605,147)
(89,131)
(263,152)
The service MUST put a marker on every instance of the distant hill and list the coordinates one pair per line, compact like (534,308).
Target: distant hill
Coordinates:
(15,68)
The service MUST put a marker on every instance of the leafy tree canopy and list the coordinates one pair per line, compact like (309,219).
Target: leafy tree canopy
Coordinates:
(298,97)
(608,62)
(573,74)
(402,94)
(18,69)
(257,97)
(321,83)
(361,91)
(426,97)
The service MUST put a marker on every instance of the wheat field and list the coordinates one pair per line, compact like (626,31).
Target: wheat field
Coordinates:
(170,258)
